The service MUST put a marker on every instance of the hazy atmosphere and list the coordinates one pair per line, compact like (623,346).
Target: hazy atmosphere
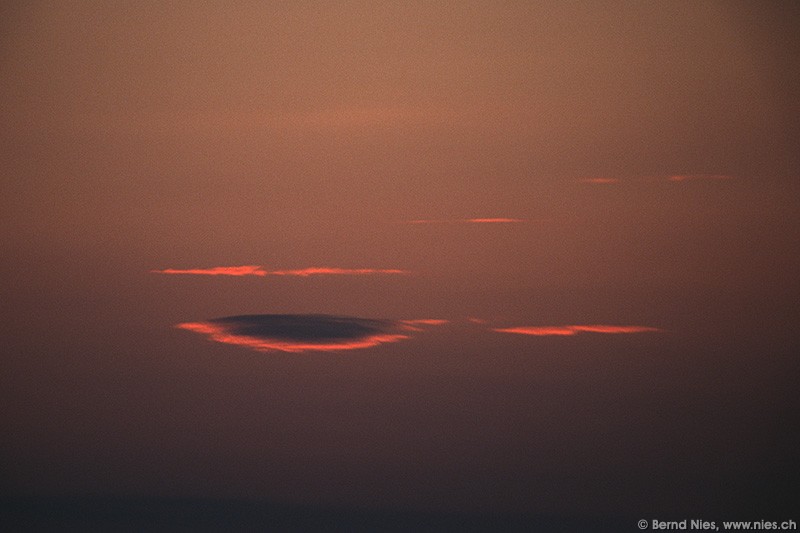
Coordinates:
(410,265)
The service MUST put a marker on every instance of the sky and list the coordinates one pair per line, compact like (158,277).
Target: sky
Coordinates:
(494,259)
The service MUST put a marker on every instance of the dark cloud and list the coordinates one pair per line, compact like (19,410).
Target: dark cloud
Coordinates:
(303,327)
(300,333)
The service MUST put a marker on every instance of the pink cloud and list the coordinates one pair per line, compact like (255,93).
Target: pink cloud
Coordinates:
(614,329)
(538,331)
(413,324)
(687,177)
(676,177)
(499,220)
(317,271)
(254,270)
(247,270)
(494,220)
(564,331)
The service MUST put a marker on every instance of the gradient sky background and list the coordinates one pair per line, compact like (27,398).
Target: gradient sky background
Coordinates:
(648,150)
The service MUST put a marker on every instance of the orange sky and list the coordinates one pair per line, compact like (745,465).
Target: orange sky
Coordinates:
(557,171)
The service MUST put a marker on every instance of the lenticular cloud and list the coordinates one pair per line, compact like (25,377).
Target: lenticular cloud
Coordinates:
(302,333)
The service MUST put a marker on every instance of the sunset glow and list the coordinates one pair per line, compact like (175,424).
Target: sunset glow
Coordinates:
(220,333)
(412,325)
(469,221)
(494,220)
(248,270)
(327,271)
(399,265)
(542,331)
(614,329)
(259,271)
(696,177)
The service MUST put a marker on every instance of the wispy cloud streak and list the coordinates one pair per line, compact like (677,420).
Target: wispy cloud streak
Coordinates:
(247,270)
(599,181)
(322,271)
(255,270)
(498,220)
(563,331)
(696,177)
(413,325)
(674,178)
